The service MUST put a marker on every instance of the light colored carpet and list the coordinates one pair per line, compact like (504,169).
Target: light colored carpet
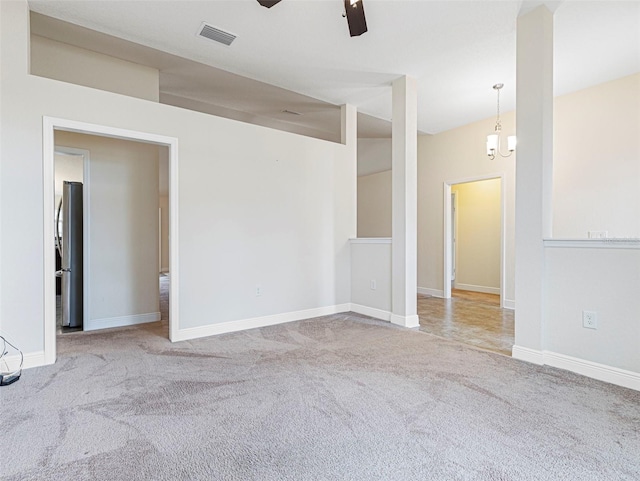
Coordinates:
(342,397)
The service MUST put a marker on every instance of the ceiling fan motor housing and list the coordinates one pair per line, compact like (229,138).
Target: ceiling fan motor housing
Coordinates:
(355,17)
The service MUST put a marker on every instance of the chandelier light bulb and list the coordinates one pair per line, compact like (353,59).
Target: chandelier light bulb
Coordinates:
(492,144)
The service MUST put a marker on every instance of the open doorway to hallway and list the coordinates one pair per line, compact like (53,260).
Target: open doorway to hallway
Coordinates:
(52,126)
(476,236)
(471,309)
(125,186)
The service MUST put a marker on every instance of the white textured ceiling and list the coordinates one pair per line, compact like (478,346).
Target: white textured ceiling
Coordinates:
(456,49)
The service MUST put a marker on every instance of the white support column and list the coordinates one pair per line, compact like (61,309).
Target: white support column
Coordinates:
(404,256)
(348,125)
(346,210)
(349,137)
(534,121)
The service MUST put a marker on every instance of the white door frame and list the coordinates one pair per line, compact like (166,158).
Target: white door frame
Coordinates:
(49,126)
(446,292)
(454,236)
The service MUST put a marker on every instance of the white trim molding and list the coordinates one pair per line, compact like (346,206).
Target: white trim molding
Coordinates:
(370,240)
(483,289)
(405,321)
(121,321)
(30,359)
(508,304)
(255,322)
(371,312)
(431,292)
(594,370)
(606,243)
(529,355)
(601,372)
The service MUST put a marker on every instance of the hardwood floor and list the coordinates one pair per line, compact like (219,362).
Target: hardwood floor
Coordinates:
(470,317)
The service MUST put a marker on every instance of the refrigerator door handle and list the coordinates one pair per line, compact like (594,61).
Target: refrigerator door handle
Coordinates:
(58,243)
(62,271)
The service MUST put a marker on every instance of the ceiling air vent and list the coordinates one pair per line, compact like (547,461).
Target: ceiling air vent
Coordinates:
(215,34)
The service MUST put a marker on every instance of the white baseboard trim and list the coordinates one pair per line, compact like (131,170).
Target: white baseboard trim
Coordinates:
(601,372)
(508,304)
(529,355)
(253,323)
(31,359)
(431,292)
(405,321)
(94,324)
(371,312)
(483,289)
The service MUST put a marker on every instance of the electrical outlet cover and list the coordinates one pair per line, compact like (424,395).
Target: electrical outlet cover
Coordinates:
(589,319)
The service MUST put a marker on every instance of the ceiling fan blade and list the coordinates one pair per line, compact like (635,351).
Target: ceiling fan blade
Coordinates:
(355,17)
(268,3)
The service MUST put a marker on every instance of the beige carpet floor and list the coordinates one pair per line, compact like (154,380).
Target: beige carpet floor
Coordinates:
(341,397)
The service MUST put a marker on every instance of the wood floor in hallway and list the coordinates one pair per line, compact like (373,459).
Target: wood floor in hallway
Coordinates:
(469,317)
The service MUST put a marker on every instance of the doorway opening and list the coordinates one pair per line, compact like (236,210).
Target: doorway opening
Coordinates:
(471,309)
(71,167)
(118,210)
(474,230)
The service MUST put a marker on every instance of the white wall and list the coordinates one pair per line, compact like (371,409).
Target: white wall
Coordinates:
(61,61)
(598,276)
(478,231)
(123,229)
(596,187)
(371,277)
(374,205)
(374,155)
(256,206)
(596,160)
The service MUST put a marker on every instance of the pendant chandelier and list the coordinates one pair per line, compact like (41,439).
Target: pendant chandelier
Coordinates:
(493,140)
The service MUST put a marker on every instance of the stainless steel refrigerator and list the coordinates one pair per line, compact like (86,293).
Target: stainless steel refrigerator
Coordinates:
(69,245)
